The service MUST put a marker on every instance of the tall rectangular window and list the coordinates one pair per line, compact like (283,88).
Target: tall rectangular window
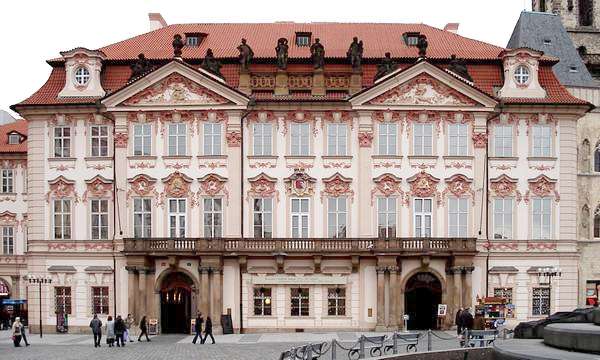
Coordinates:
(542,218)
(388,135)
(99,219)
(62,300)
(336,217)
(177,139)
(142,139)
(7,180)
(422,217)
(62,141)
(458,212)
(336,302)
(540,301)
(213,217)
(263,217)
(212,139)
(142,217)
(337,139)
(503,140)
(542,140)
(300,139)
(503,218)
(386,217)
(457,140)
(300,214)
(100,300)
(423,139)
(8,240)
(300,301)
(177,218)
(61,210)
(262,139)
(262,301)
(99,139)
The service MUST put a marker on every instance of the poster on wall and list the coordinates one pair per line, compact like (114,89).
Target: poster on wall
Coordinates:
(152,327)
(442,309)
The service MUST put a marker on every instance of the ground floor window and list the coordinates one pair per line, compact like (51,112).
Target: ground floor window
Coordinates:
(62,299)
(100,300)
(336,302)
(299,302)
(507,295)
(262,301)
(592,290)
(540,301)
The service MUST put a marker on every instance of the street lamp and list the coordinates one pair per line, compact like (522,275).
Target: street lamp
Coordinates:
(39,280)
(545,276)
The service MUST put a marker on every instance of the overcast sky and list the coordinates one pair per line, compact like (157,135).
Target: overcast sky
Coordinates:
(34,31)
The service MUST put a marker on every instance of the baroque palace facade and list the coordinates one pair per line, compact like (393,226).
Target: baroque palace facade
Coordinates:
(302,179)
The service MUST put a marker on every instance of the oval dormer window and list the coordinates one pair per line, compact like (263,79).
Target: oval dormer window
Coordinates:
(522,75)
(82,76)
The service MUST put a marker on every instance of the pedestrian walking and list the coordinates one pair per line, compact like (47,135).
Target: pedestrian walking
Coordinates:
(143,329)
(17,330)
(23,334)
(208,330)
(110,331)
(120,331)
(198,328)
(96,326)
(129,322)
(458,321)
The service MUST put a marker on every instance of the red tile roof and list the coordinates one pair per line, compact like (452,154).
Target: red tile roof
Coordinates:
(19,126)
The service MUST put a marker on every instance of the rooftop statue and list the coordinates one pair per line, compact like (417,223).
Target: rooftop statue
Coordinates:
(211,64)
(422,45)
(140,67)
(246,55)
(459,67)
(282,53)
(317,53)
(386,66)
(177,45)
(355,54)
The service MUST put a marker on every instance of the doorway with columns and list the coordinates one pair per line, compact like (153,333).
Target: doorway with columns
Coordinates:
(422,295)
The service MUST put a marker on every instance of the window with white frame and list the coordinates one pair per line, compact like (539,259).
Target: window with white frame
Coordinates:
(99,219)
(300,300)
(14,139)
(540,301)
(458,212)
(8,240)
(337,217)
(542,218)
(99,139)
(300,139)
(82,75)
(61,214)
(458,140)
(423,139)
(177,139)
(521,75)
(212,139)
(7,180)
(142,217)
(262,139)
(542,140)
(62,142)
(100,300)
(388,136)
(503,140)
(142,139)
(213,217)
(386,217)
(422,214)
(177,217)
(62,300)
(336,301)
(337,139)
(262,301)
(503,218)
(263,217)
(300,214)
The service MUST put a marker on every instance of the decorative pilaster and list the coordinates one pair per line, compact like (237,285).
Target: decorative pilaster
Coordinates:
(380,299)
(318,84)
(281,83)
(245,82)
(394,299)
(142,294)
(131,277)
(456,295)
(217,298)
(467,300)
(204,290)
(355,82)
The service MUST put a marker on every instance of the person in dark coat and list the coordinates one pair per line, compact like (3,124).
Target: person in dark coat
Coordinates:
(198,328)
(120,328)
(96,326)
(143,329)
(467,319)
(208,330)
(458,321)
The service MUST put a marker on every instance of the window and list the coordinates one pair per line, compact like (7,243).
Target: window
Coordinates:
(82,76)
(177,139)
(387,138)
(100,300)
(542,218)
(99,219)
(540,301)
(263,218)
(213,217)
(505,293)
(14,139)
(336,217)
(7,181)
(177,217)
(337,139)
(542,140)
(300,218)
(597,222)
(299,302)
(8,240)
(142,140)
(521,75)
(62,300)
(262,302)
(62,219)
(62,142)
(411,39)
(212,139)
(303,39)
(422,217)
(191,40)
(422,139)
(573,69)
(386,217)
(597,159)
(586,12)
(457,140)
(336,302)
(99,140)
(262,139)
(503,216)
(142,217)
(457,217)
(300,139)
(503,140)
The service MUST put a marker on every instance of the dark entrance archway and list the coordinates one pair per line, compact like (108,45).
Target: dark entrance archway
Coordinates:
(176,303)
(422,296)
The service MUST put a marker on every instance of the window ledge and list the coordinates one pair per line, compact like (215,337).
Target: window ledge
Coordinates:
(337,157)
(311,157)
(141,157)
(387,156)
(336,317)
(97,158)
(425,157)
(56,159)
(176,157)
(268,157)
(289,317)
(505,158)
(261,317)
(458,157)
(541,158)
(211,156)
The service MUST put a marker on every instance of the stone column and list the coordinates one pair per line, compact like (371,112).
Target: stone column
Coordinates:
(16,287)
(217,299)
(380,299)
(394,299)
(456,296)
(204,291)
(142,293)
(467,298)
(131,293)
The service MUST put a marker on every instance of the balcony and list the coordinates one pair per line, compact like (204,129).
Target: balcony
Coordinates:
(308,246)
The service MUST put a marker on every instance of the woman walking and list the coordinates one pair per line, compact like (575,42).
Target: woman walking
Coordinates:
(120,331)
(110,331)
(143,329)
(208,330)
(17,330)
(129,322)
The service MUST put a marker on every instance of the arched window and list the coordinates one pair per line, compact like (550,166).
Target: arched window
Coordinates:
(597,222)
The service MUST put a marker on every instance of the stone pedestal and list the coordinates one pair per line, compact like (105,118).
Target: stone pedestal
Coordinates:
(281,83)
(318,84)
(355,82)
(245,82)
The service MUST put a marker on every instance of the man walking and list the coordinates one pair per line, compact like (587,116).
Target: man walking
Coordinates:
(120,331)
(143,329)
(198,328)
(23,334)
(96,326)
(208,330)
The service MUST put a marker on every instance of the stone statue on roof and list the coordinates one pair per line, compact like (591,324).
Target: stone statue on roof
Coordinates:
(246,55)
(317,54)
(282,53)
(211,64)
(459,67)
(177,45)
(422,45)
(386,66)
(355,54)
(140,67)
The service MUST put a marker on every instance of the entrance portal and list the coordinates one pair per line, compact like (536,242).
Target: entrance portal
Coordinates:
(422,296)
(176,303)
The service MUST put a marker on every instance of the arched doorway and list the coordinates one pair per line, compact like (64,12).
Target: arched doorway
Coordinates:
(176,303)
(422,295)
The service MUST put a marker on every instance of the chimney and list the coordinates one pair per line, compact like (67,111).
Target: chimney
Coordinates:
(156,21)
(451,27)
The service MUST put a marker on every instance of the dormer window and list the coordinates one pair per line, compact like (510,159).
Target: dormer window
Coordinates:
(522,75)
(573,69)
(82,76)
(14,139)
(192,39)
(411,38)
(303,38)
(83,69)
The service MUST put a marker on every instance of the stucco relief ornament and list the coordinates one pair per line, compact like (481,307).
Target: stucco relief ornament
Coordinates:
(387,185)
(121,139)
(336,186)
(262,186)
(142,185)
(365,138)
(177,185)
(300,183)
(504,186)
(480,139)
(212,184)
(8,218)
(423,185)
(543,186)
(98,187)
(62,188)
(234,138)
(300,117)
